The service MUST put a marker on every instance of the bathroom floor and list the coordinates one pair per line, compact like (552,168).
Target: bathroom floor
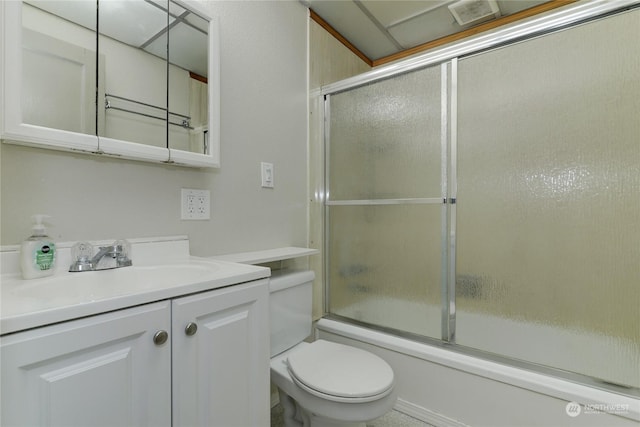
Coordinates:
(392,419)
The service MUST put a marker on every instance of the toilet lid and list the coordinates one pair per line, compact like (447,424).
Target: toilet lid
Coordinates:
(339,372)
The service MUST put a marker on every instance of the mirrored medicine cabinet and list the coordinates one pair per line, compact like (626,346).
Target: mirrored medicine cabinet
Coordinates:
(134,79)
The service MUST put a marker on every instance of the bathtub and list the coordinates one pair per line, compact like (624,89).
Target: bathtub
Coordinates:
(616,358)
(444,387)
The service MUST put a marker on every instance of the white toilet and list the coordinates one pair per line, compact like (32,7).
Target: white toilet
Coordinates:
(321,383)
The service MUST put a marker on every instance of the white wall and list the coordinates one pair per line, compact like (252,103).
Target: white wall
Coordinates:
(264,118)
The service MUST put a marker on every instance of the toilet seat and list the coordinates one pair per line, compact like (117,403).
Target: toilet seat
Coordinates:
(340,373)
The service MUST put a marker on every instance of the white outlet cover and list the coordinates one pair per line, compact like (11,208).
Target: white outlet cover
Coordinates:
(195,204)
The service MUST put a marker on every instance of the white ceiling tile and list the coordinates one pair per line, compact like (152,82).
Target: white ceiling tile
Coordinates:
(132,22)
(188,49)
(198,22)
(353,24)
(419,30)
(509,7)
(158,47)
(176,9)
(391,12)
(82,13)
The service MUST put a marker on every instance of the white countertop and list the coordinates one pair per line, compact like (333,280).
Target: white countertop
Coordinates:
(161,270)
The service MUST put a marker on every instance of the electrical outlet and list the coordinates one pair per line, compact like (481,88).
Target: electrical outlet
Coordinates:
(196,204)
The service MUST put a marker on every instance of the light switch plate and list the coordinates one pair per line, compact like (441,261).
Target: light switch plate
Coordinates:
(267,174)
(196,204)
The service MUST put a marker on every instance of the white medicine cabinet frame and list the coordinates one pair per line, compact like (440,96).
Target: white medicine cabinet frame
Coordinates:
(15,130)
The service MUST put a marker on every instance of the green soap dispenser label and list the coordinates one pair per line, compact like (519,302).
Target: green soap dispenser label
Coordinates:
(45,256)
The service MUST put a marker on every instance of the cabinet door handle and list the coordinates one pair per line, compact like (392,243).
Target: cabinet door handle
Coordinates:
(160,337)
(191,328)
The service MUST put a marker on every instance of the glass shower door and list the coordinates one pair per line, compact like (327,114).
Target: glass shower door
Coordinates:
(384,207)
(548,212)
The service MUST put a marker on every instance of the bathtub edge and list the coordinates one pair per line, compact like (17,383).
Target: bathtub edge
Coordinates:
(536,382)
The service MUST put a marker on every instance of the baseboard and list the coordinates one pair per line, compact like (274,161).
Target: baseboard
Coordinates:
(426,415)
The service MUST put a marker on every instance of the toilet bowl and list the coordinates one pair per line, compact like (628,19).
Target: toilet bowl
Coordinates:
(327,395)
(321,384)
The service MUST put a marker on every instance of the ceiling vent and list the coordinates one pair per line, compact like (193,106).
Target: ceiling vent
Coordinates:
(473,11)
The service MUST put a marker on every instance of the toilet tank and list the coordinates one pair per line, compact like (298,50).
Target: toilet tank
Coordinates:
(290,308)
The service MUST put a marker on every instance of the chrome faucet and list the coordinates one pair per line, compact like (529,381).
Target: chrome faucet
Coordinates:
(108,257)
(114,256)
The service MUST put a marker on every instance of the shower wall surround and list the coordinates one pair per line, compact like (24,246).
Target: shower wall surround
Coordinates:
(534,148)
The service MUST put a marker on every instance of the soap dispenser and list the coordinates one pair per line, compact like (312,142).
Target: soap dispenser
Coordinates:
(38,252)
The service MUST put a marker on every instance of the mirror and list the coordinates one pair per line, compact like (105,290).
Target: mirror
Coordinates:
(132,43)
(188,80)
(59,65)
(135,79)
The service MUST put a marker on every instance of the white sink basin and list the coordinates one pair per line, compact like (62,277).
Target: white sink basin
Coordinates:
(162,269)
(92,285)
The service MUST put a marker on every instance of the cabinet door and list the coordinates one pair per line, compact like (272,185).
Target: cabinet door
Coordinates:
(99,371)
(221,372)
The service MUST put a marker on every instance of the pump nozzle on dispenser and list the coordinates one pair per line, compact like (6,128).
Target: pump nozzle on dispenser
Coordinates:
(39,228)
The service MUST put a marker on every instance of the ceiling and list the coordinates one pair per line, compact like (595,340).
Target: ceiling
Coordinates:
(380,28)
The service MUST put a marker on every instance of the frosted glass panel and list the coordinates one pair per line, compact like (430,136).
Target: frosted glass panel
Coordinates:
(384,265)
(548,213)
(385,139)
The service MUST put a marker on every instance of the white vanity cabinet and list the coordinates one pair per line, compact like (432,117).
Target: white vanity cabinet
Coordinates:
(221,369)
(103,370)
(114,369)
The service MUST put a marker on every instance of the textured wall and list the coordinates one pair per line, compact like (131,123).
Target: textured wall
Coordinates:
(263,113)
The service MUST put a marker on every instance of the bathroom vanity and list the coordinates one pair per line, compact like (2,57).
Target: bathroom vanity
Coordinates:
(172,340)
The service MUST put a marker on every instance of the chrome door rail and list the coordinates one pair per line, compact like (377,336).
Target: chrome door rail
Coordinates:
(325,197)
(369,202)
(447,124)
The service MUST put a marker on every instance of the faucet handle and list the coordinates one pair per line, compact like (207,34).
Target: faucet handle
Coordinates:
(81,254)
(123,251)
